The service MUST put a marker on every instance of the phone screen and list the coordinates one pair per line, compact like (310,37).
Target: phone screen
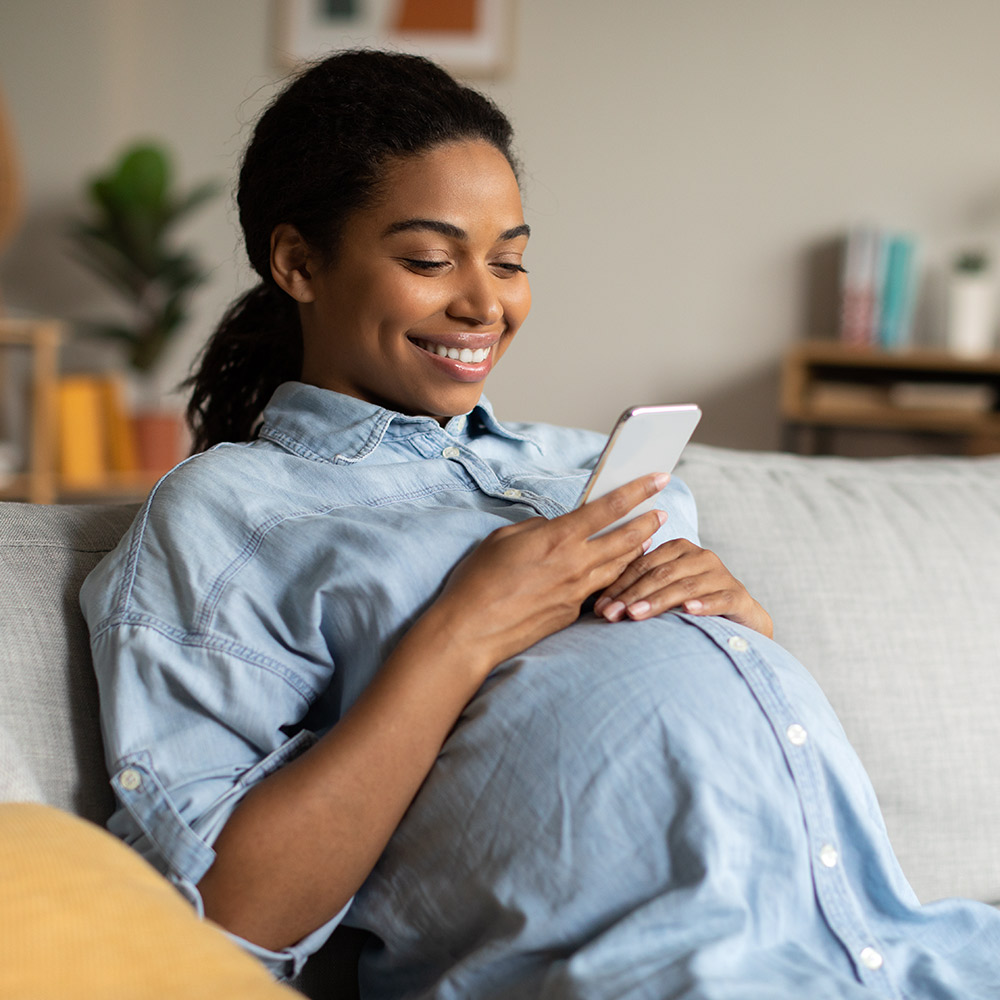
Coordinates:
(645,439)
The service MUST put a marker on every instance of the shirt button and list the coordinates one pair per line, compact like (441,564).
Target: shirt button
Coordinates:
(512,494)
(130,779)
(871,959)
(796,734)
(828,855)
(451,452)
(738,643)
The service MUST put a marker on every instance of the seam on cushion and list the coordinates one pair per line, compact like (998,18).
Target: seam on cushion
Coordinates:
(42,543)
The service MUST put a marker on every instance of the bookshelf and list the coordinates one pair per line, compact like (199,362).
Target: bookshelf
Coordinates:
(829,385)
(33,391)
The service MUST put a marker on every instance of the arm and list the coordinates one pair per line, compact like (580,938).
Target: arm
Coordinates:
(301,842)
(681,574)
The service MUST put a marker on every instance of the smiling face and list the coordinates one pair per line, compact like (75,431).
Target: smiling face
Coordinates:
(426,290)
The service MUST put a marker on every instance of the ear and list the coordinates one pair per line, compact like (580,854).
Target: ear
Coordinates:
(290,260)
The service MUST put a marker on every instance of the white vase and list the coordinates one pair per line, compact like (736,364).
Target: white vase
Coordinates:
(972,314)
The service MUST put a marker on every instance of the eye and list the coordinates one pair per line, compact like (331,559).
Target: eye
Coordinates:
(507,269)
(426,266)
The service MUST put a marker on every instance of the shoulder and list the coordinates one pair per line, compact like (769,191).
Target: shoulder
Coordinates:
(196,521)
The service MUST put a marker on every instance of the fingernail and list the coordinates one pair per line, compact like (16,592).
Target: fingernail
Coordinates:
(693,606)
(614,611)
(662,515)
(661,479)
(601,605)
(646,544)
(638,609)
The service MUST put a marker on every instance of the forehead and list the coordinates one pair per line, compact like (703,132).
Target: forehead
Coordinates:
(461,182)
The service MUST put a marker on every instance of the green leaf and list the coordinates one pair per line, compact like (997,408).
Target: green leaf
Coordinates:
(194,198)
(124,242)
(142,178)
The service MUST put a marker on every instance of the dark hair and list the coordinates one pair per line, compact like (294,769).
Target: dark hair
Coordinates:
(318,154)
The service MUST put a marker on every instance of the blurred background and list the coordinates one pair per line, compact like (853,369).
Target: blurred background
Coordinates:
(691,167)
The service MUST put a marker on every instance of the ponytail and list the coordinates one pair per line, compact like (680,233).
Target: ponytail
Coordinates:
(256,347)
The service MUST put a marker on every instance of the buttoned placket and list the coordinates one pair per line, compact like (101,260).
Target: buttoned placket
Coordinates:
(833,889)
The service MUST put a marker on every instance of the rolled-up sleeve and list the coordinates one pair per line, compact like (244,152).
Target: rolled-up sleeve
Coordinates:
(191,723)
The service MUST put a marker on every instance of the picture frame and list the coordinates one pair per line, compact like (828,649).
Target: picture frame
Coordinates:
(470,38)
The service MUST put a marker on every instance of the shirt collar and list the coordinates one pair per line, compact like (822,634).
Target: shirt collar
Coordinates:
(333,427)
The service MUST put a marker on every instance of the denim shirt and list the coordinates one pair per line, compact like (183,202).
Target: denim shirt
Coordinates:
(664,808)
(263,584)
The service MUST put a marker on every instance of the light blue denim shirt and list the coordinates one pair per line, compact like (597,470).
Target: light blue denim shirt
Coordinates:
(666,808)
(263,584)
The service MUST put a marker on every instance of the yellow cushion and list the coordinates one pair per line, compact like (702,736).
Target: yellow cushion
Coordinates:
(84,916)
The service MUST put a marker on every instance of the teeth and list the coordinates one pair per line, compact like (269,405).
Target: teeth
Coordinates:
(466,355)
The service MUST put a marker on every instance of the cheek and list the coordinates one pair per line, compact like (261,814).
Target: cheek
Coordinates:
(517,305)
(403,301)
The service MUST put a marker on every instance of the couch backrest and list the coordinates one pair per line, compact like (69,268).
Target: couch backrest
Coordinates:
(48,708)
(883,578)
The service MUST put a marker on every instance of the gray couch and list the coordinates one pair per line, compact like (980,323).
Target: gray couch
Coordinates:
(882,576)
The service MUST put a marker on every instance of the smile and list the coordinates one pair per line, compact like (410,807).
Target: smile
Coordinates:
(465,355)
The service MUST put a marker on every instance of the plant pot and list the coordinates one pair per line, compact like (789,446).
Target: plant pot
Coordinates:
(161,441)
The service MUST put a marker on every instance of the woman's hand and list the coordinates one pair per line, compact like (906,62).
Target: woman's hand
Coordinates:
(680,574)
(527,580)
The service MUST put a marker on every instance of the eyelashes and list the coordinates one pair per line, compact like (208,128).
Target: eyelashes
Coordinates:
(431,266)
(424,265)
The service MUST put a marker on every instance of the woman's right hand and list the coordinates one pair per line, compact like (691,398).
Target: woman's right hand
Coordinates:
(527,580)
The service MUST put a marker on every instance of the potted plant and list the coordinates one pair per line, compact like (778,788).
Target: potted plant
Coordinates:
(126,239)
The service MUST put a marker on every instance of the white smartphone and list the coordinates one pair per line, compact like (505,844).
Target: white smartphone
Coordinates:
(645,439)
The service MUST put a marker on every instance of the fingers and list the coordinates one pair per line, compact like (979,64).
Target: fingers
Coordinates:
(677,574)
(598,514)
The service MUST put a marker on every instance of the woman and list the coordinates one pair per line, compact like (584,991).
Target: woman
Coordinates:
(300,616)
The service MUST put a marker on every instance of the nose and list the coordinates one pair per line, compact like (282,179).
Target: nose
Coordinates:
(476,298)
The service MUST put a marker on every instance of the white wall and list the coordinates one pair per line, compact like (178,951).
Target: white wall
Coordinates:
(686,161)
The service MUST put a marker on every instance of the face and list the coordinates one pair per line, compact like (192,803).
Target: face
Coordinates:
(427,289)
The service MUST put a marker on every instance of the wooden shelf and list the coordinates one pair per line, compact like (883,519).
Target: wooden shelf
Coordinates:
(828,385)
(41,338)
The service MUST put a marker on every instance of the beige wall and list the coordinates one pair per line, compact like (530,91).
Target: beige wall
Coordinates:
(686,160)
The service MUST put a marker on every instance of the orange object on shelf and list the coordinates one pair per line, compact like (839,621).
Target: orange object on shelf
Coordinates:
(159,440)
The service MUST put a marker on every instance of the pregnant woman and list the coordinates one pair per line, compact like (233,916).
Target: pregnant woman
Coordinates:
(346,672)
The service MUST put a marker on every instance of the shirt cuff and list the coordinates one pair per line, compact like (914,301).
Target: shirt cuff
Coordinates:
(284,964)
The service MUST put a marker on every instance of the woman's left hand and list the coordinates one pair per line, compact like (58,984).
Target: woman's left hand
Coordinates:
(680,574)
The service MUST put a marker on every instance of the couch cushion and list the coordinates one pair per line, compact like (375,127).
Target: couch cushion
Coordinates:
(49,704)
(883,577)
(17,782)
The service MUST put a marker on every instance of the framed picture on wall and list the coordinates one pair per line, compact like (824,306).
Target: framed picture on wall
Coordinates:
(470,38)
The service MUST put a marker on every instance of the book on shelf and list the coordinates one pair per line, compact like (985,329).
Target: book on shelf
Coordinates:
(95,438)
(879,283)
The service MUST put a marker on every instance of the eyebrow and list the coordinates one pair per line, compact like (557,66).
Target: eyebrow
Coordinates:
(447,229)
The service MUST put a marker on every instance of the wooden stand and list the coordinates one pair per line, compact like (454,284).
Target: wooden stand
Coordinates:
(827,385)
(37,482)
